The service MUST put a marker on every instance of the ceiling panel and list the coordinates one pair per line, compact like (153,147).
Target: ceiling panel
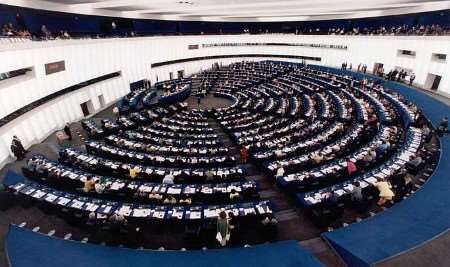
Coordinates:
(239,10)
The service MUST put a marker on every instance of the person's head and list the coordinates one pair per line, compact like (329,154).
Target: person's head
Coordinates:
(356,184)
(233,191)
(408,179)
(222,215)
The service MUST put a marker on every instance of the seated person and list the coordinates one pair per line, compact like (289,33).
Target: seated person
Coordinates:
(31,166)
(168,179)
(408,186)
(398,179)
(317,157)
(234,195)
(330,200)
(269,220)
(155,197)
(382,148)
(185,200)
(141,193)
(99,187)
(280,172)
(134,172)
(405,186)
(367,160)
(351,167)
(117,219)
(357,192)
(94,218)
(170,200)
(210,176)
(385,192)
(426,131)
(88,184)
(414,164)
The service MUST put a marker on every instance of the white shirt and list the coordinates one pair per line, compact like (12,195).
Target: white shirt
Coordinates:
(168,179)
(280,171)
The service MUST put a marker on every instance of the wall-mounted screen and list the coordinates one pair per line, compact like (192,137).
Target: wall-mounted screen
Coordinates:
(54,67)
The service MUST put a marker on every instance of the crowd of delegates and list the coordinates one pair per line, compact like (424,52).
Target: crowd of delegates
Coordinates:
(306,128)
(397,75)
(9,30)
(349,66)
(190,176)
(433,29)
(46,34)
(393,75)
(336,136)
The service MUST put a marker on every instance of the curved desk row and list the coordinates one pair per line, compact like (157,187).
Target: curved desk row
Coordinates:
(410,223)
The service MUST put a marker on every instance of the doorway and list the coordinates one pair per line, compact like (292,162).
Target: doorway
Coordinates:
(101,99)
(180,74)
(87,108)
(432,82)
(377,67)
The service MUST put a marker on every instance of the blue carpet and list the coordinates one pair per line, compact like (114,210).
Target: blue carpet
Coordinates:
(411,222)
(12,178)
(25,248)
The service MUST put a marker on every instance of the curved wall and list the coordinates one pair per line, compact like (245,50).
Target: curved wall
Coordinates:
(87,59)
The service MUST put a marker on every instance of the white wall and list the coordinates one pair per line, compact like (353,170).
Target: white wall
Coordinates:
(87,59)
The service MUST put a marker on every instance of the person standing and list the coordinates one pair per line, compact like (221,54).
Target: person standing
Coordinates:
(244,155)
(17,153)
(412,77)
(223,229)
(67,131)
(16,141)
